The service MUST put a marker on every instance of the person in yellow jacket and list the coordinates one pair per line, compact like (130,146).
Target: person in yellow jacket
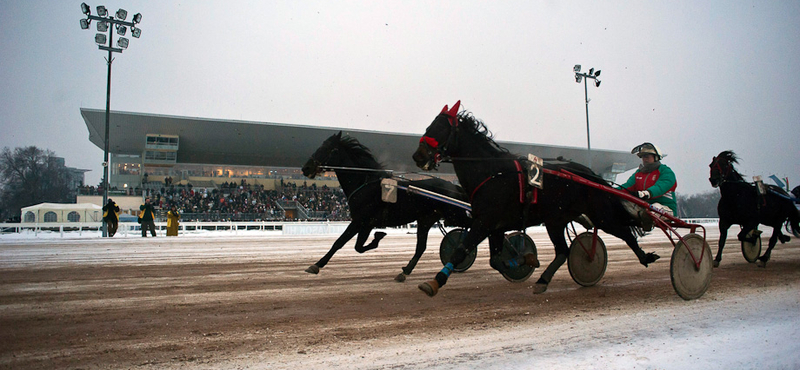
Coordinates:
(147,218)
(172,221)
(111,216)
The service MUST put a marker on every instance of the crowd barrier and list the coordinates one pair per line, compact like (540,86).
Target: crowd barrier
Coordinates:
(227,227)
(188,227)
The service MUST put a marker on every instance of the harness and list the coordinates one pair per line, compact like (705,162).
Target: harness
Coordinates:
(452,118)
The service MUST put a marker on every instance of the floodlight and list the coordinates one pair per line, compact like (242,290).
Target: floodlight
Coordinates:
(121,30)
(577,68)
(597,83)
(122,42)
(578,78)
(591,71)
(136,32)
(597,74)
(85,9)
(102,11)
(121,14)
(85,24)
(102,26)
(137,18)
(100,38)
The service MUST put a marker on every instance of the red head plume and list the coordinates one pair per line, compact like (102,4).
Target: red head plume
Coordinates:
(452,112)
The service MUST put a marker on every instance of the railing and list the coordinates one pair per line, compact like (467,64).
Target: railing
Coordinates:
(233,227)
(189,227)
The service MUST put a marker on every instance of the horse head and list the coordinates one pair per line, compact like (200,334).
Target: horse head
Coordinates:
(437,139)
(722,168)
(338,151)
(322,156)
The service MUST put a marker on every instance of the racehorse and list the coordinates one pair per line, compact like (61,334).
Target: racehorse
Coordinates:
(740,203)
(360,176)
(501,201)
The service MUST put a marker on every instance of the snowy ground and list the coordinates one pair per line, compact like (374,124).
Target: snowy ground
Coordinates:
(249,289)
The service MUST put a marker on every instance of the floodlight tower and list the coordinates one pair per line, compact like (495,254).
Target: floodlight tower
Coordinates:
(104,24)
(585,78)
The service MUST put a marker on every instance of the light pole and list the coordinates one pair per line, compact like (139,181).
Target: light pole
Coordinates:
(585,78)
(107,23)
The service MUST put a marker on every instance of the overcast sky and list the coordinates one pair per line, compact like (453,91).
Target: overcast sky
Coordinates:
(693,77)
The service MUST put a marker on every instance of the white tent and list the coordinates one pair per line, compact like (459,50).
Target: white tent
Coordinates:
(58,212)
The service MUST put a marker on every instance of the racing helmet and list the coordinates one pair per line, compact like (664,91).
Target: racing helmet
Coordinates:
(647,148)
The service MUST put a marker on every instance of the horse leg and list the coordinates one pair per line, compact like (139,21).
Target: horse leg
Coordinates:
(556,234)
(363,235)
(348,234)
(624,233)
(475,235)
(423,226)
(361,248)
(773,240)
(496,240)
(746,228)
(723,234)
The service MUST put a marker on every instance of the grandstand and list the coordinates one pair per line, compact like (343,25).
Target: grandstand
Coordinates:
(173,158)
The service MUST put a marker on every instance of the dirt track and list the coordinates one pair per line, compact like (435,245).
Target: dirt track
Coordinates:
(246,302)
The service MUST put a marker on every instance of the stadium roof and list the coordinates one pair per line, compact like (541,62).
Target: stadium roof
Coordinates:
(243,143)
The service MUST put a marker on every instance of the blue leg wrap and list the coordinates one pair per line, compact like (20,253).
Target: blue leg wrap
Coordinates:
(448,268)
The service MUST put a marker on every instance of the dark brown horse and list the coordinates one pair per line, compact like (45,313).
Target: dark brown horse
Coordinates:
(501,200)
(360,176)
(741,204)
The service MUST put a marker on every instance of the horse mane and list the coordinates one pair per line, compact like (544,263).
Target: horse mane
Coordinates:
(478,129)
(360,153)
(731,158)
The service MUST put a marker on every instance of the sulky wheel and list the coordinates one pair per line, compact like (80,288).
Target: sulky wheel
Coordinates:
(516,245)
(588,259)
(689,280)
(451,241)
(751,251)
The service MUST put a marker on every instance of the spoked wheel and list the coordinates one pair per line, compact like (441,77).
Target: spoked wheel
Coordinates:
(588,259)
(751,251)
(451,241)
(516,245)
(689,280)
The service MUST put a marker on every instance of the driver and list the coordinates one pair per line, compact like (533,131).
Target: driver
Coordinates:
(653,182)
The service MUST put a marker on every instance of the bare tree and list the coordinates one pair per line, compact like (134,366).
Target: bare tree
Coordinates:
(699,205)
(31,176)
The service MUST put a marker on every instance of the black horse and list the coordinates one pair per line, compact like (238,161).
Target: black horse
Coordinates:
(740,203)
(501,201)
(360,176)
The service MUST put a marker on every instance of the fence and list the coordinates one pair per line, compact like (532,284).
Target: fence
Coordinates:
(188,227)
(232,227)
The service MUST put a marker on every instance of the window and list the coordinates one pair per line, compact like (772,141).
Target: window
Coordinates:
(29,217)
(74,216)
(50,217)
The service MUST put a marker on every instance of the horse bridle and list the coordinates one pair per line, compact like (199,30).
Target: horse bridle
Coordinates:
(320,164)
(723,172)
(440,153)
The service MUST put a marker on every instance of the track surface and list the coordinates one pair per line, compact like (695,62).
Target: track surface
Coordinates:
(246,302)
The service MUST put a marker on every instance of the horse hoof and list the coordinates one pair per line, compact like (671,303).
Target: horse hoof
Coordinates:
(650,258)
(313,269)
(761,263)
(400,278)
(716,263)
(531,260)
(379,235)
(430,287)
(539,288)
